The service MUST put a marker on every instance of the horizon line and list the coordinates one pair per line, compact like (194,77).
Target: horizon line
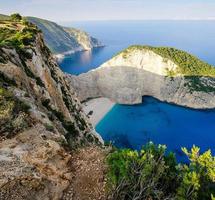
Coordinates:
(144,19)
(191,19)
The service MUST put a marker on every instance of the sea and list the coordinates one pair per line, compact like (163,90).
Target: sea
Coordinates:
(162,123)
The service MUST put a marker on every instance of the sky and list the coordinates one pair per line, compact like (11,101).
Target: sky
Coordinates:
(84,10)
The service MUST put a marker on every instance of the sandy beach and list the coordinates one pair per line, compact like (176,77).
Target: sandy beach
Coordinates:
(97,108)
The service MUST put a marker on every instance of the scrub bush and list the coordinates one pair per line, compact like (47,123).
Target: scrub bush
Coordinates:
(153,174)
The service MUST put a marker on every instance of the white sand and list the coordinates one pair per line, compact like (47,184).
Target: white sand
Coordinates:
(99,106)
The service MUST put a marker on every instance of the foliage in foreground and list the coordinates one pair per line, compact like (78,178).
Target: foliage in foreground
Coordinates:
(153,174)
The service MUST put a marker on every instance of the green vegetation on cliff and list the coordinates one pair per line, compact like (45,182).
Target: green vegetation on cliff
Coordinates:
(154,174)
(189,66)
(25,41)
(56,38)
(16,32)
(16,17)
(61,39)
(13,113)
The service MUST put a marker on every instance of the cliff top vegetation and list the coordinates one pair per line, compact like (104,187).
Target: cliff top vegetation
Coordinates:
(188,64)
(16,32)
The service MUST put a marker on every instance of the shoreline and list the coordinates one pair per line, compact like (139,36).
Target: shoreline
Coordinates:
(97,108)
(61,56)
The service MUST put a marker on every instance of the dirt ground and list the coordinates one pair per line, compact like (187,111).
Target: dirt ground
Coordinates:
(88,181)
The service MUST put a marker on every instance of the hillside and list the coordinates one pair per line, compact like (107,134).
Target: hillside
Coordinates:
(188,65)
(165,73)
(50,151)
(64,40)
(4,17)
(83,38)
(41,119)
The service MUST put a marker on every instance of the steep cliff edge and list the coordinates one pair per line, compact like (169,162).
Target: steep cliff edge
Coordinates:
(167,74)
(83,38)
(40,117)
(63,40)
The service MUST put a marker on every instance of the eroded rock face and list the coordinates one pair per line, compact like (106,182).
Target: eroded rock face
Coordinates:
(63,40)
(126,78)
(33,165)
(41,118)
(84,39)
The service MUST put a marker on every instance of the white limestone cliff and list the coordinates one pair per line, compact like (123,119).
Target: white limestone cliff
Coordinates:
(130,75)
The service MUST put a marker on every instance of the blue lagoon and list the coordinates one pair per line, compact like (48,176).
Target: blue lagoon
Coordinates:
(162,123)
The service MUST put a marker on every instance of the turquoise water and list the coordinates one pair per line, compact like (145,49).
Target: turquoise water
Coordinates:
(163,123)
(196,37)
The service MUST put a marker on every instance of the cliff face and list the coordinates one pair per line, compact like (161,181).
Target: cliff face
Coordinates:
(84,39)
(138,72)
(63,40)
(40,115)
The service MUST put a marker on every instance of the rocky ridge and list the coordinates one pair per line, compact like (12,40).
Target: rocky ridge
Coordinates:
(63,40)
(83,38)
(142,71)
(41,118)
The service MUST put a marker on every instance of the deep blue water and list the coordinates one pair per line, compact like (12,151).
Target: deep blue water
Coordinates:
(133,126)
(163,123)
(196,37)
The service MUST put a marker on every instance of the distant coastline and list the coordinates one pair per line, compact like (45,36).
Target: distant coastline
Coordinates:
(61,56)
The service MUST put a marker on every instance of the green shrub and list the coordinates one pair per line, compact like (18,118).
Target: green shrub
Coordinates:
(70,127)
(11,35)
(16,17)
(72,131)
(148,174)
(6,80)
(46,102)
(198,178)
(153,174)
(14,114)
(49,127)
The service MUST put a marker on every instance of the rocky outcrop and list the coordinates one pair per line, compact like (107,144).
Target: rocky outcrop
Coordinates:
(84,39)
(141,72)
(41,119)
(62,40)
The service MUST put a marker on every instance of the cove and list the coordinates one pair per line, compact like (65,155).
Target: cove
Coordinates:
(133,126)
(175,126)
